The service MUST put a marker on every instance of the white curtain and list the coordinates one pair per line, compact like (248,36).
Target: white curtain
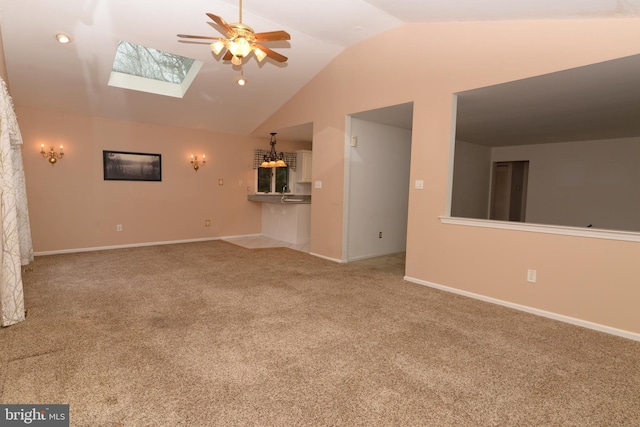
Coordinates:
(17,248)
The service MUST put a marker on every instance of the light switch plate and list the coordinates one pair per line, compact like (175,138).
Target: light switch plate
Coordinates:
(419,184)
(318,184)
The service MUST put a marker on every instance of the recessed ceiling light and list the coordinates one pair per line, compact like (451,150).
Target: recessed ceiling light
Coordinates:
(63,38)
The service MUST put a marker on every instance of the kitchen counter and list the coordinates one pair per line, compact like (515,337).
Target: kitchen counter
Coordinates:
(289,199)
(286,221)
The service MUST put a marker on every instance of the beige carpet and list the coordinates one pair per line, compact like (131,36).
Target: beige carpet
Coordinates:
(212,334)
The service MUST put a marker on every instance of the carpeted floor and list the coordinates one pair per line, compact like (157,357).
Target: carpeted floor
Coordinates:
(212,334)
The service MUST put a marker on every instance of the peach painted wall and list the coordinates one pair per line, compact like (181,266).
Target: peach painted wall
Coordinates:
(592,280)
(71,207)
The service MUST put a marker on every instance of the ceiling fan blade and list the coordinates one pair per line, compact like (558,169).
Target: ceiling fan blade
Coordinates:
(272,36)
(227,56)
(271,53)
(222,23)
(188,36)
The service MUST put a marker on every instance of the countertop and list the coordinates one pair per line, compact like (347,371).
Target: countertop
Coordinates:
(289,199)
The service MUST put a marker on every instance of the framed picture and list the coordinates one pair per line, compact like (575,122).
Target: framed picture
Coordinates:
(125,166)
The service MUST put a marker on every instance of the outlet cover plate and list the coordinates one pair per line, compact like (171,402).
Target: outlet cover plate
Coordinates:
(531,276)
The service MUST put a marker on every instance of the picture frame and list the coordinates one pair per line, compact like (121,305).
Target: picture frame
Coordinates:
(129,166)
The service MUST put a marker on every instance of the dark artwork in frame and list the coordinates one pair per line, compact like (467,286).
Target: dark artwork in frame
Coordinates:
(127,166)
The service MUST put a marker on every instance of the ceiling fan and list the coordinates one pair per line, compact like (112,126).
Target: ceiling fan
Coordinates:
(241,40)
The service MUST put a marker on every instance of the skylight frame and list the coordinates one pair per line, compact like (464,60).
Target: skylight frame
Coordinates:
(150,83)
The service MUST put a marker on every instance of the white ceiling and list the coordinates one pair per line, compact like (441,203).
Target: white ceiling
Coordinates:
(73,78)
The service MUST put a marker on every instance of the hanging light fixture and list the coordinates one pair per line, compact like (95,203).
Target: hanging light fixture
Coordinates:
(240,40)
(273,159)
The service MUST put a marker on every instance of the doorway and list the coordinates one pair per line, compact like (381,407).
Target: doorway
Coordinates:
(378,149)
(509,191)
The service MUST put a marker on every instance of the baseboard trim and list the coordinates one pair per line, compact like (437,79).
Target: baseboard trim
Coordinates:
(555,316)
(339,261)
(132,245)
(361,257)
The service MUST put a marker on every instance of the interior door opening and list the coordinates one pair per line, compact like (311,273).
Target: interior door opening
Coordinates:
(509,191)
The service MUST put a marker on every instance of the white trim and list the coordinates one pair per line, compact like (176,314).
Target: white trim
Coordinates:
(594,233)
(555,316)
(369,256)
(157,87)
(339,261)
(346,187)
(452,151)
(239,236)
(137,245)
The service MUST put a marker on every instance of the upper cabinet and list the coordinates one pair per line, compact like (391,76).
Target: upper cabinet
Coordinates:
(303,173)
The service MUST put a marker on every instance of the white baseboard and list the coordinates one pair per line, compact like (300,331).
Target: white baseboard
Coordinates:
(339,261)
(132,245)
(361,257)
(555,316)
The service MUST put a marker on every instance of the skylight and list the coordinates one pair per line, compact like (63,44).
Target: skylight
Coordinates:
(149,70)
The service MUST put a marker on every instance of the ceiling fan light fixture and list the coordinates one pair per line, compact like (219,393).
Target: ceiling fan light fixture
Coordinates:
(240,40)
(240,46)
(217,46)
(259,54)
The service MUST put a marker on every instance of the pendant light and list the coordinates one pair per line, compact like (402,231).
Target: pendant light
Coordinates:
(273,159)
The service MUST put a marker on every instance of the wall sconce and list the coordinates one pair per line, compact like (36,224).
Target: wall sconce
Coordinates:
(51,155)
(195,163)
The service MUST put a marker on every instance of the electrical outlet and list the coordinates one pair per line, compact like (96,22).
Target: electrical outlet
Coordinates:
(207,223)
(380,235)
(531,276)
(119,227)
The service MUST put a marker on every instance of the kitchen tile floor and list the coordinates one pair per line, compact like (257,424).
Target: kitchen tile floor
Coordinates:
(255,242)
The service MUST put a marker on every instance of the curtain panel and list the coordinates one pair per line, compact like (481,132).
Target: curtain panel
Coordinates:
(17,248)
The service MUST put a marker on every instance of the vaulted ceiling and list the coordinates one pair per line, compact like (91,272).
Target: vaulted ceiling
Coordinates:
(73,77)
